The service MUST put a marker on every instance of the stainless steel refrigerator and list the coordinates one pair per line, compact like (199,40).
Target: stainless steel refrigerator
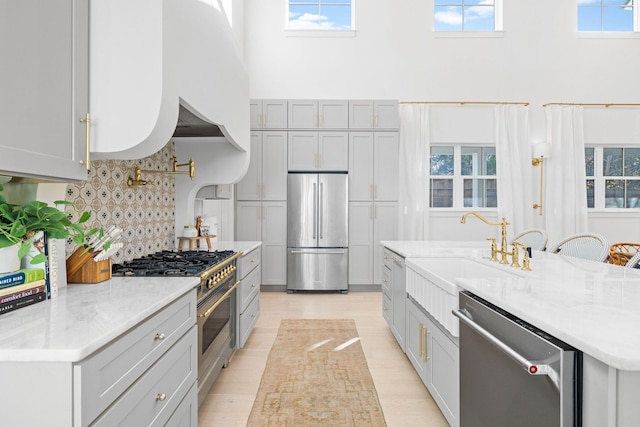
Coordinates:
(317,234)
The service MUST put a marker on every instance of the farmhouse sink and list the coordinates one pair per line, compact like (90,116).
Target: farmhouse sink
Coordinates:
(431,282)
(446,270)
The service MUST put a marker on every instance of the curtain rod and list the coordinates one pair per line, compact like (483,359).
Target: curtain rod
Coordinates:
(526,104)
(591,105)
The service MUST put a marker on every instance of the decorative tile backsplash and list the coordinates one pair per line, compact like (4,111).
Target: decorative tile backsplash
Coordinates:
(146,214)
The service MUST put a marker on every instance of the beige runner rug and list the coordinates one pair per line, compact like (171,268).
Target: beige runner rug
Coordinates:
(316,375)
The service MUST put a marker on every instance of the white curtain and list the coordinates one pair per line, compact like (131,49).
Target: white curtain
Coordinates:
(414,170)
(565,198)
(514,166)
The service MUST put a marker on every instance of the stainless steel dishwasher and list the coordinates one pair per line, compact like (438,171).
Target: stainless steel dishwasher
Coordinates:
(513,374)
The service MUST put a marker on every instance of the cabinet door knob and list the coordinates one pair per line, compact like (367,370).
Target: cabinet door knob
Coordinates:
(159,336)
(160,397)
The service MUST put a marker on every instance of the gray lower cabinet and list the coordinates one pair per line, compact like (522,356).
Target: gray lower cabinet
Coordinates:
(147,376)
(248,295)
(435,356)
(393,279)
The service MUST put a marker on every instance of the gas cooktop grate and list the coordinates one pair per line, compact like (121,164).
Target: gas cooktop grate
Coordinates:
(168,263)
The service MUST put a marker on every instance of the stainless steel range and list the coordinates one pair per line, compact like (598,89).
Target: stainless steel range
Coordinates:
(216,301)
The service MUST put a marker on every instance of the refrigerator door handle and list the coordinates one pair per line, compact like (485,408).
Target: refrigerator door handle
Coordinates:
(320,224)
(315,210)
(311,252)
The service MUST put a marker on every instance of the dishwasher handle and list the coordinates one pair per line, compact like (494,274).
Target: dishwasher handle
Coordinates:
(532,368)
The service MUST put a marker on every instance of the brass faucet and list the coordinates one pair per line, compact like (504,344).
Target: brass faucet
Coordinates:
(504,252)
(137,179)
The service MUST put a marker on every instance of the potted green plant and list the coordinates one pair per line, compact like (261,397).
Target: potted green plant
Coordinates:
(19,223)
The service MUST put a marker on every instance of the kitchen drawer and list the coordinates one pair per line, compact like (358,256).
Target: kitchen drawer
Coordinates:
(187,413)
(386,309)
(386,281)
(105,375)
(249,288)
(248,320)
(387,258)
(248,262)
(153,399)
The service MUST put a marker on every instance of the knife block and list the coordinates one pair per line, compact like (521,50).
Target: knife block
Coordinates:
(81,268)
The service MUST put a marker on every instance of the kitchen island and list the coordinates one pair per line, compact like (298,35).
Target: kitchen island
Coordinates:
(101,353)
(592,306)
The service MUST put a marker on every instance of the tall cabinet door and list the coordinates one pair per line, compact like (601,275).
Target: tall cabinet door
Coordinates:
(274,165)
(386,158)
(333,151)
(361,248)
(361,166)
(302,151)
(274,243)
(249,221)
(248,188)
(45,93)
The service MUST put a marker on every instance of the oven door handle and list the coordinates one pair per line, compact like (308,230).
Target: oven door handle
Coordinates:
(214,306)
(533,368)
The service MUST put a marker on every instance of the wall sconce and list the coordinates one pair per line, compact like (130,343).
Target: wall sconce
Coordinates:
(137,175)
(541,151)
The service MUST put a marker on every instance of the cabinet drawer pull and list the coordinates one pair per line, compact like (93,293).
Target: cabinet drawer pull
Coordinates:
(253,285)
(160,397)
(159,336)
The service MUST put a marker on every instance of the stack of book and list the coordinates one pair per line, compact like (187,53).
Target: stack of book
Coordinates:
(22,288)
(34,282)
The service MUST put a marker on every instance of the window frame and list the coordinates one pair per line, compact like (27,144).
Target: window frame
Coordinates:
(599,179)
(316,32)
(633,33)
(498,25)
(458,179)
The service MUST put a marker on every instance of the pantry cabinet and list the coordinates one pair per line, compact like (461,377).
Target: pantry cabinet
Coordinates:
(318,151)
(323,114)
(268,114)
(373,166)
(265,222)
(369,114)
(45,98)
(369,223)
(266,177)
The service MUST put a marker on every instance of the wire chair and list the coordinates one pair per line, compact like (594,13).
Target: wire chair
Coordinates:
(535,239)
(634,261)
(590,246)
(621,253)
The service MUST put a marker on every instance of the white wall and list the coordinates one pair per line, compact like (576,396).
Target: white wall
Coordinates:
(539,58)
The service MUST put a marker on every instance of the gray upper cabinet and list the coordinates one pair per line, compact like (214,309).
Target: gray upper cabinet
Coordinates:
(45,67)
(367,114)
(323,114)
(268,114)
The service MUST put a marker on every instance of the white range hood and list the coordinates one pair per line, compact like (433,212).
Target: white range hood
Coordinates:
(148,57)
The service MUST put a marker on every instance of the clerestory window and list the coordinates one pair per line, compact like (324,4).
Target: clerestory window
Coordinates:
(320,15)
(467,15)
(607,16)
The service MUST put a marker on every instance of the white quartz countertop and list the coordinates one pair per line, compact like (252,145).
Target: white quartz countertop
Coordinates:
(84,317)
(244,247)
(420,249)
(593,306)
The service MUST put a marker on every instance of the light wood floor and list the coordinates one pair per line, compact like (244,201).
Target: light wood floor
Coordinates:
(404,399)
